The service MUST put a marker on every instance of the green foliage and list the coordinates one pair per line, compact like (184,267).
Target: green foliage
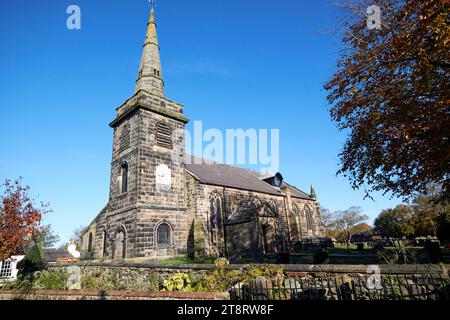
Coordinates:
(32,262)
(178,282)
(217,281)
(395,222)
(112,280)
(51,280)
(422,218)
(40,280)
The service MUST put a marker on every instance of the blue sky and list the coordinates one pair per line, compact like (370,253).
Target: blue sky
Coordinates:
(233,64)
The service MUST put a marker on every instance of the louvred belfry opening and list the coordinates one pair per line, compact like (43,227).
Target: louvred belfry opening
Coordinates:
(163,135)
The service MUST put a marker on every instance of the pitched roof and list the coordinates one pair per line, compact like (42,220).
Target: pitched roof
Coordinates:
(53,254)
(297,193)
(228,176)
(239,178)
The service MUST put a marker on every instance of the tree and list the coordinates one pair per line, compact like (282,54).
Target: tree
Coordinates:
(46,236)
(391,94)
(429,217)
(362,228)
(77,236)
(396,223)
(347,220)
(19,218)
(328,222)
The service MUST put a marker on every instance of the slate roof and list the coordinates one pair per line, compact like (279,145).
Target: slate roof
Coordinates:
(51,255)
(239,178)
(297,193)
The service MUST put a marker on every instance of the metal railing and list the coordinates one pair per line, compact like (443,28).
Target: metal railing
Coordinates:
(354,287)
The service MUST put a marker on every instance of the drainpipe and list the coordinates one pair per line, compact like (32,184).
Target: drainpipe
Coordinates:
(224,213)
(287,201)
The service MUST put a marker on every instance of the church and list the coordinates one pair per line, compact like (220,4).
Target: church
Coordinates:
(162,205)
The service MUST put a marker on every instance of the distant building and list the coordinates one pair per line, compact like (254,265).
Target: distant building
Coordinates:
(8,268)
(161,206)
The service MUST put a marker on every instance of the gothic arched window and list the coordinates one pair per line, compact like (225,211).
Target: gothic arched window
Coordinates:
(124,177)
(163,135)
(120,244)
(273,206)
(89,249)
(296,219)
(216,217)
(163,235)
(308,217)
(105,243)
(295,210)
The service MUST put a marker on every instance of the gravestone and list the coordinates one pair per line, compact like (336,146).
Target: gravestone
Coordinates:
(74,280)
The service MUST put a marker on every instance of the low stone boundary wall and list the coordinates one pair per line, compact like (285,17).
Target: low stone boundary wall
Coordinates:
(111,295)
(289,268)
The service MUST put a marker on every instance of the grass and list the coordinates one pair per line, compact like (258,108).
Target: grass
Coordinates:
(338,255)
(182,260)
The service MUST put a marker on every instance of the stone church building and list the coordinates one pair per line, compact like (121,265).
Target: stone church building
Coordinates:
(160,205)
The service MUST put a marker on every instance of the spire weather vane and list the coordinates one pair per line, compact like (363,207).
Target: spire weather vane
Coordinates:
(152,3)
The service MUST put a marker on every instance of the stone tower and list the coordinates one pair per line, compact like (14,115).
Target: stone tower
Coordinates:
(146,214)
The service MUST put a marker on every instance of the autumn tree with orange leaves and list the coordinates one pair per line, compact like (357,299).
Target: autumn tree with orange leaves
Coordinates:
(19,218)
(391,94)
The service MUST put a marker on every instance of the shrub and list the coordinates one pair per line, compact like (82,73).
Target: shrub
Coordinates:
(32,262)
(216,281)
(178,282)
(50,280)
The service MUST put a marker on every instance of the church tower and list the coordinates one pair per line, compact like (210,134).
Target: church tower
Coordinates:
(146,213)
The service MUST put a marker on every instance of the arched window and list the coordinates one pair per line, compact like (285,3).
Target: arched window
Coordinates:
(120,245)
(308,217)
(216,217)
(105,243)
(273,206)
(163,236)
(90,243)
(124,176)
(296,220)
(295,210)
(163,135)
(124,140)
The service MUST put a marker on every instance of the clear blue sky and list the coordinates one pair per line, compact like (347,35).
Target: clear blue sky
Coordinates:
(233,64)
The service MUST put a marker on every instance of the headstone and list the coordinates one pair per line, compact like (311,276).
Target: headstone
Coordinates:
(74,280)
(221,263)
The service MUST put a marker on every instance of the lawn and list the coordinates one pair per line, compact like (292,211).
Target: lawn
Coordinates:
(338,255)
(185,260)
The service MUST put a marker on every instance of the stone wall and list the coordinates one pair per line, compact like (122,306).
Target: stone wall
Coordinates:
(111,295)
(123,281)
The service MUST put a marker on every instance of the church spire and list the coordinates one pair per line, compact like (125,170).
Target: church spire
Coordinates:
(150,71)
